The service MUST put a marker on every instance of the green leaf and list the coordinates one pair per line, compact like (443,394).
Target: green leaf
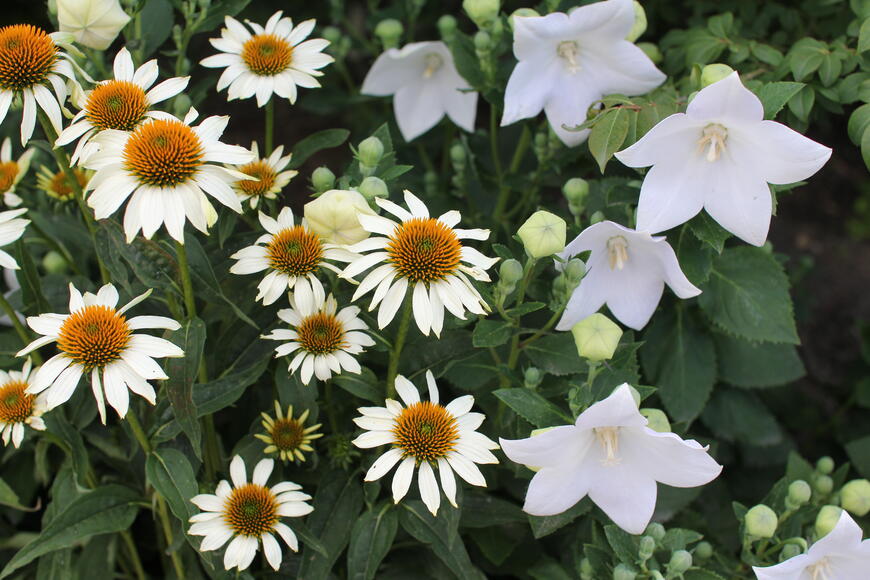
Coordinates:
(864,36)
(708,231)
(182,372)
(533,407)
(218,10)
(678,356)
(802,103)
(735,415)
(556,354)
(467,63)
(220,393)
(205,281)
(33,300)
(484,510)
(171,474)
(702,47)
(859,453)
(156,21)
(107,509)
(748,296)
(865,147)
(756,364)
(830,70)
(364,385)
(9,498)
(489,333)
(774,96)
(56,423)
(546,525)
(439,533)
(699,574)
(679,539)
(859,121)
(624,544)
(805,57)
(370,540)
(608,134)
(326,139)
(766,54)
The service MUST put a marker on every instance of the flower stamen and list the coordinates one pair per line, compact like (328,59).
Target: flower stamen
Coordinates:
(8,173)
(251,510)
(119,105)
(295,251)
(617,249)
(568,50)
(163,153)
(425,431)
(424,249)
(267,55)
(94,336)
(820,570)
(16,406)
(262,171)
(433,63)
(609,439)
(713,139)
(27,56)
(321,333)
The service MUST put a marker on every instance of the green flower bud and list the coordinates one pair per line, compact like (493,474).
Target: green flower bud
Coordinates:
(482,12)
(647,548)
(651,51)
(855,497)
(532,377)
(789,551)
(596,337)
(656,530)
(828,517)
(704,551)
(543,234)
(370,151)
(447,27)
(586,570)
(760,521)
(825,465)
(624,572)
(639,23)
(332,34)
(54,263)
(510,271)
(521,13)
(799,492)
(372,187)
(575,190)
(823,484)
(482,41)
(389,31)
(457,155)
(596,217)
(658,421)
(680,561)
(713,73)
(322,179)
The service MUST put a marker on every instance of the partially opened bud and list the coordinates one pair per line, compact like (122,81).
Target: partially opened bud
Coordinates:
(333,216)
(761,521)
(639,23)
(828,517)
(543,234)
(713,73)
(596,337)
(855,497)
(93,23)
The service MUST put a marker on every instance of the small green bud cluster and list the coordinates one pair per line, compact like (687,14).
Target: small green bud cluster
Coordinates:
(576,190)
(566,282)
(509,274)
(532,377)
(459,162)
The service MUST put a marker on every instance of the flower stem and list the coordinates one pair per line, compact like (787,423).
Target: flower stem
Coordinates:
(138,432)
(186,284)
(519,153)
(398,345)
(127,537)
(19,328)
(270,128)
(514,353)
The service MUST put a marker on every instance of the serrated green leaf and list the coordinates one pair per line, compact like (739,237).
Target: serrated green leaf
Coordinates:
(774,96)
(679,539)
(370,540)
(756,364)
(533,407)
(546,525)
(182,373)
(624,544)
(805,57)
(802,103)
(489,333)
(556,354)
(859,453)
(608,134)
(735,415)
(748,296)
(708,231)
(171,474)
(326,139)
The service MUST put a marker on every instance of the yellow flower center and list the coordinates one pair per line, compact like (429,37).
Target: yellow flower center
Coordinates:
(8,173)
(117,105)
(59,186)
(262,171)
(608,437)
(617,252)
(27,55)
(251,510)
(94,336)
(424,249)
(321,333)
(267,55)
(295,251)
(425,431)
(713,139)
(287,434)
(163,153)
(16,406)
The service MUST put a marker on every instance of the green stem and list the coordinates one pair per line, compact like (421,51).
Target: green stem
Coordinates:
(127,537)
(544,330)
(398,345)
(270,128)
(19,328)
(139,432)
(493,145)
(514,353)
(51,243)
(330,408)
(516,160)
(186,284)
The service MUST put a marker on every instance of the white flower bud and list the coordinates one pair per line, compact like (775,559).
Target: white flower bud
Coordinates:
(828,517)
(855,497)
(333,216)
(761,521)
(543,234)
(596,337)
(93,23)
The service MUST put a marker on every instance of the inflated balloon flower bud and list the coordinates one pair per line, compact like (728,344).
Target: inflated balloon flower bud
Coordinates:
(680,561)
(596,337)
(447,28)
(543,234)
(827,518)
(389,32)
(482,12)
(760,522)
(322,179)
(855,497)
(373,187)
(799,493)
(369,154)
(624,572)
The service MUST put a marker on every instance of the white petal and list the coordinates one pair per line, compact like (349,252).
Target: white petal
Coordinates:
(402,478)
(429,492)
(237,471)
(383,464)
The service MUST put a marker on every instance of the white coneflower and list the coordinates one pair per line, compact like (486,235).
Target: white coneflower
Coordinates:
(96,338)
(426,434)
(269,173)
(30,62)
(11,228)
(163,167)
(17,407)
(272,60)
(286,436)
(425,255)
(325,339)
(249,513)
(57,184)
(11,172)
(292,254)
(121,103)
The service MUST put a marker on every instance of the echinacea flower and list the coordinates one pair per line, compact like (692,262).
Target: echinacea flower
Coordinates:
(610,455)
(291,253)
(165,167)
(121,104)
(287,436)
(569,61)
(426,435)
(719,155)
(30,62)
(269,173)
(18,408)
(425,85)
(839,555)
(96,338)
(325,339)
(11,228)
(424,255)
(12,171)
(247,514)
(93,23)
(627,270)
(273,60)
(57,184)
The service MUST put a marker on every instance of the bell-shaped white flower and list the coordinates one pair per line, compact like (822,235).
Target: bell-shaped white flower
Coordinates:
(425,85)
(94,23)
(719,155)
(839,554)
(569,61)
(627,270)
(612,456)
